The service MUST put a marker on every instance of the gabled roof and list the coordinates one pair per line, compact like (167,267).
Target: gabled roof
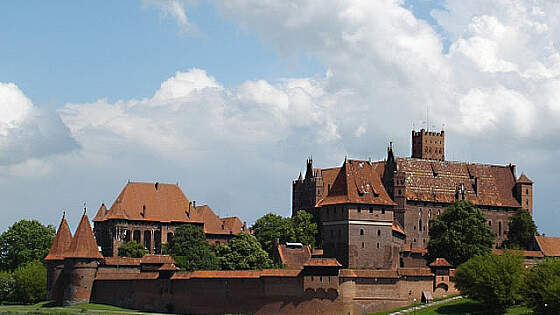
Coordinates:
(355,182)
(83,243)
(294,258)
(216,225)
(440,262)
(524,253)
(523,179)
(61,242)
(151,202)
(440,181)
(322,262)
(550,246)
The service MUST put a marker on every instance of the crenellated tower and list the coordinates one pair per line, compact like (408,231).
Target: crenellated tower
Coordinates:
(55,260)
(428,145)
(80,265)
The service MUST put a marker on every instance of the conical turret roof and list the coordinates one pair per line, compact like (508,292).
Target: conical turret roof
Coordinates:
(523,179)
(83,243)
(100,213)
(61,242)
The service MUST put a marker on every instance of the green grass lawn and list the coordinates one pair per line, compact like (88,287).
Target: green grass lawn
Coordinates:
(462,306)
(48,308)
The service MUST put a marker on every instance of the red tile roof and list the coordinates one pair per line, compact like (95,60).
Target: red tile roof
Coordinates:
(151,202)
(367,273)
(523,179)
(61,242)
(108,276)
(121,261)
(157,259)
(235,274)
(524,253)
(83,244)
(322,262)
(294,258)
(216,225)
(415,272)
(550,246)
(440,262)
(398,228)
(100,213)
(355,182)
(168,267)
(438,181)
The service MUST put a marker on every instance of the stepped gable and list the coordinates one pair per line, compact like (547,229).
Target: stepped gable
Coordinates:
(440,181)
(355,182)
(61,242)
(152,202)
(83,243)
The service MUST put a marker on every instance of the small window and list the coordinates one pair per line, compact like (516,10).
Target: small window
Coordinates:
(377,245)
(382,211)
(414,240)
(378,232)
(370,209)
(526,191)
(359,209)
(489,222)
(362,244)
(361,231)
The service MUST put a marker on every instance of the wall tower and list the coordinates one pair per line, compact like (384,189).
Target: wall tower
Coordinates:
(55,260)
(80,265)
(428,145)
(524,192)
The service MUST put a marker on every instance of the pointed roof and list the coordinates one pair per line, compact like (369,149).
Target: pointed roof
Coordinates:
(83,243)
(523,179)
(100,213)
(440,262)
(61,241)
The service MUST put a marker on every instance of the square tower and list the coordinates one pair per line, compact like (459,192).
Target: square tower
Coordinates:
(428,145)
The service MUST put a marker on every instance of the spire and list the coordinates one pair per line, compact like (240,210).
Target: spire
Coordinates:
(523,179)
(61,241)
(83,243)
(100,213)
(300,178)
(309,169)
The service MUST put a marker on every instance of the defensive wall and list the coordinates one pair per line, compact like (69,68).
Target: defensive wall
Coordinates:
(320,287)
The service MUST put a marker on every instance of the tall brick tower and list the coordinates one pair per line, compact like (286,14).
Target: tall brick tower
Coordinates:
(428,145)
(80,264)
(524,192)
(55,260)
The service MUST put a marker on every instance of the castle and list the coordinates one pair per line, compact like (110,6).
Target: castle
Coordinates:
(374,226)
(376,214)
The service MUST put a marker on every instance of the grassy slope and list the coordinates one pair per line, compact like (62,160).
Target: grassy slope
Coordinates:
(463,306)
(47,308)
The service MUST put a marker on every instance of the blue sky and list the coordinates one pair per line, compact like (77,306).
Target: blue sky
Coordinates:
(230,101)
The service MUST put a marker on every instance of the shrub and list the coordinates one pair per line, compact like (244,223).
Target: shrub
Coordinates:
(132,249)
(542,287)
(30,282)
(493,280)
(6,286)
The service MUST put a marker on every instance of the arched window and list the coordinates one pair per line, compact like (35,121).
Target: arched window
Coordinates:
(420,225)
(378,232)
(361,231)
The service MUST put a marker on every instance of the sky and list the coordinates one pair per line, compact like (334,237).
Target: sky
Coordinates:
(229,98)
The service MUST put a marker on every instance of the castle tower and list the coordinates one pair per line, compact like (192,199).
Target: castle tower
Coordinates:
(428,145)
(80,265)
(55,260)
(524,192)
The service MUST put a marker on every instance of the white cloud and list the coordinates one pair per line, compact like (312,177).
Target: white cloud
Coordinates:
(26,131)
(174,9)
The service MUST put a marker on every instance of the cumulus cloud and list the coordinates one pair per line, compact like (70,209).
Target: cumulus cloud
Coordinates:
(26,131)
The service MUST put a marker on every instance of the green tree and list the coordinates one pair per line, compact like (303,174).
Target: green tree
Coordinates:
(459,234)
(494,280)
(190,249)
(23,242)
(541,290)
(304,228)
(132,249)
(30,282)
(243,252)
(6,286)
(272,226)
(522,230)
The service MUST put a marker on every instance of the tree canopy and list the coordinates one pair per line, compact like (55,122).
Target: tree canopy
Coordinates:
(272,226)
(30,282)
(132,249)
(459,234)
(542,287)
(521,231)
(24,242)
(494,280)
(190,250)
(242,252)
(304,228)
